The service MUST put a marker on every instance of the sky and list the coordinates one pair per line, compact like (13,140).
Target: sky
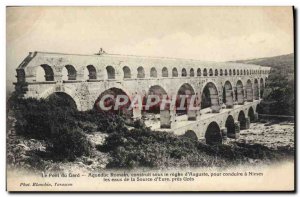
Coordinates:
(203,33)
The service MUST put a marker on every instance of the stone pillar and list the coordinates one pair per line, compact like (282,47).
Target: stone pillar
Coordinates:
(191,113)
(255,116)
(137,113)
(224,132)
(215,107)
(167,117)
(247,123)
(249,94)
(240,96)
(229,98)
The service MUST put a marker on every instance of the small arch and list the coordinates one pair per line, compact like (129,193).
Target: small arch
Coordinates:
(165,72)
(234,72)
(211,73)
(174,72)
(141,72)
(244,72)
(216,72)
(192,74)
(198,72)
(127,72)
(242,120)
(110,72)
(226,72)
(213,134)
(251,114)
(262,87)
(183,72)
(247,72)
(205,72)
(44,73)
(229,124)
(71,73)
(153,72)
(221,72)
(230,73)
(237,72)
(255,90)
(92,73)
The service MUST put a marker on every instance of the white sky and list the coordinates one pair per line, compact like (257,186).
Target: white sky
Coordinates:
(204,33)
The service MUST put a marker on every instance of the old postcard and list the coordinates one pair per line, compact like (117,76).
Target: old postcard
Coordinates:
(150,99)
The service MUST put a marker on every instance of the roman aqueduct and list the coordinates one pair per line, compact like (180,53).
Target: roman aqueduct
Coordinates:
(228,93)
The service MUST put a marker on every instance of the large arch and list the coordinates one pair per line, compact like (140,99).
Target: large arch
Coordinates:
(70,73)
(141,72)
(249,91)
(62,99)
(187,91)
(228,94)
(127,72)
(242,120)
(110,72)
(229,124)
(174,72)
(44,73)
(107,99)
(158,91)
(239,92)
(164,72)
(255,90)
(251,114)
(153,72)
(213,134)
(210,97)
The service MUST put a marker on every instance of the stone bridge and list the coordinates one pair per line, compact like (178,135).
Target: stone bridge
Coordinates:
(228,93)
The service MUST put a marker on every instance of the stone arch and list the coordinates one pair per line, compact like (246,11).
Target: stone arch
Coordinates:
(239,93)
(261,87)
(249,91)
(255,90)
(141,72)
(153,72)
(183,72)
(92,73)
(190,134)
(192,73)
(102,102)
(111,73)
(226,72)
(228,95)
(238,72)
(211,73)
(198,72)
(244,72)
(247,72)
(174,72)
(221,72)
(65,99)
(21,75)
(65,90)
(230,72)
(230,126)
(188,91)
(216,72)
(205,72)
(44,73)
(127,72)
(164,72)
(210,97)
(251,114)
(158,91)
(213,134)
(233,72)
(242,120)
(70,73)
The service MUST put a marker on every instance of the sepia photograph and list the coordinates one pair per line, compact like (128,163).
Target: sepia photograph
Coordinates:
(150,98)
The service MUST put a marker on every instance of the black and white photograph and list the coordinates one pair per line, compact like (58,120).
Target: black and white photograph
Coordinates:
(150,98)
